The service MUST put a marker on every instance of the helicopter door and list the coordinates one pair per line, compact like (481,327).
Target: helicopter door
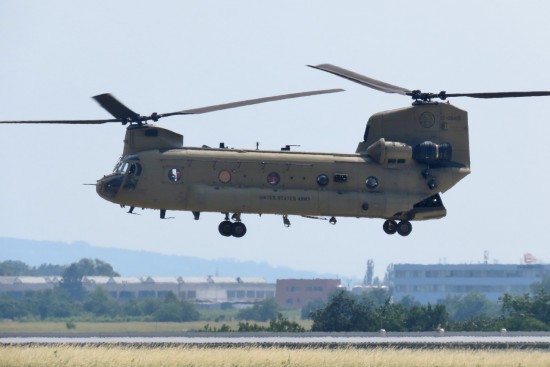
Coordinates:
(133,172)
(337,202)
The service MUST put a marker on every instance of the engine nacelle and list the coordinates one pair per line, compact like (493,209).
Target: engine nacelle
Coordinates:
(431,153)
(389,152)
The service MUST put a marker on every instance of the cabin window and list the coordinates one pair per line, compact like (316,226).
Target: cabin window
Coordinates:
(174,174)
(341,177)
(372,182)
(322,180)
(273,178)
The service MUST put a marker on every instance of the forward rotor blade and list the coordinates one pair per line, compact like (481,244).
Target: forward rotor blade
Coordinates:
(124,115)
(115,107)
(68,122)
(249,102)
(500,94)
(361,79)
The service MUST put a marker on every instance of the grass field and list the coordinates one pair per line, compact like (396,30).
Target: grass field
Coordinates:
(22,328)
(111,356)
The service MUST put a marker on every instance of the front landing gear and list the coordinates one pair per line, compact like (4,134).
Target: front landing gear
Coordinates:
(235,229)
(404,228)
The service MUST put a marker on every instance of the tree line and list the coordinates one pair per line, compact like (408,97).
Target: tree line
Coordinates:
(69,300)
(348,312)
(99,305)
(343,311)
(19,268)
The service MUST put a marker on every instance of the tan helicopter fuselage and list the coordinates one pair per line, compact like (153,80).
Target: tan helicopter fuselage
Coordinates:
(385,178)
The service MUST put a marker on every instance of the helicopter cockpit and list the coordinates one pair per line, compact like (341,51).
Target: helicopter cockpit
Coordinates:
(125,175)
(128,165)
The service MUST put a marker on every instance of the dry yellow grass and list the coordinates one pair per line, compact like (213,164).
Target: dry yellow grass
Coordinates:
(187,356)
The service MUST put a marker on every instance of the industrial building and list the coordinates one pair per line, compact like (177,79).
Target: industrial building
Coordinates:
(296,293)
(433,283)
(202,290)
(424,283)
(20,286)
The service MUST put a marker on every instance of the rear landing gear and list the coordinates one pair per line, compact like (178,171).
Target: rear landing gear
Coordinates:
(236,229)
(390,226)
(404,228)
(225,228)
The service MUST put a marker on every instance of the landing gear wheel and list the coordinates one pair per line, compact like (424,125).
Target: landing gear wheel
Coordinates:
(404,228)
(225,228)
(390,226)
(238,229)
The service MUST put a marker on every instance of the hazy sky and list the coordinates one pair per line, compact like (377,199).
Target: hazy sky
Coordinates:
(163,56)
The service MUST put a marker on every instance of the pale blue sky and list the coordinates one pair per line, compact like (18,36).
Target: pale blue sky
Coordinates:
(165,56)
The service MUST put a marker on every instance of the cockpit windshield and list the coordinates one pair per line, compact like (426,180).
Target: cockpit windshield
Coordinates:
(129,164)
(121,167)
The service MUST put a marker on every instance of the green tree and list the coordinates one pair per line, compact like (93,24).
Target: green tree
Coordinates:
(54,303)
(149,306)
(14,268)
(391,316)
(73,274)
(527,313)
(426,317)
(100,303)
(19,268)
(282,324)
(471,305)
(408,301)
(311,307)
(132,308)
(72,281)
(344,312)
(11,308)
(375,297)
(172,309)
(261,311)
(49,270)
(367,279)
(544,284)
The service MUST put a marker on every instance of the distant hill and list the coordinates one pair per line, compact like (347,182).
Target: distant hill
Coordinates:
(141,263)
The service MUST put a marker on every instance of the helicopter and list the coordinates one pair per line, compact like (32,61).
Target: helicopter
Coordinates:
(407,158)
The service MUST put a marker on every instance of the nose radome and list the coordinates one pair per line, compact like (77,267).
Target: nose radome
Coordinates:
(108,186)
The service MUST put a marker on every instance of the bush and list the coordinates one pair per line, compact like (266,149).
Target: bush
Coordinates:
(261,311)
(175,310)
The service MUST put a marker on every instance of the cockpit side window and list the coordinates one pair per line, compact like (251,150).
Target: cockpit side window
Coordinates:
(130,165)
(121,168)
(134,169)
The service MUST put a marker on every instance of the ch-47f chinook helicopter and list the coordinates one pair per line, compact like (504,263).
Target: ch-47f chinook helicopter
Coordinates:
(407,158)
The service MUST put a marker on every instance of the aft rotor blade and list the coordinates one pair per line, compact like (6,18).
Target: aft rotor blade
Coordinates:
(500,94)
(361,79)
(115,107)
(249,102)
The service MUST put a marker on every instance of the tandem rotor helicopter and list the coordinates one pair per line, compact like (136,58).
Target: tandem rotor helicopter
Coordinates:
(407,157)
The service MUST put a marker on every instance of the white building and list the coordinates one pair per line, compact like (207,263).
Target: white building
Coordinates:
(202,290)
(432,283)
(19,286)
